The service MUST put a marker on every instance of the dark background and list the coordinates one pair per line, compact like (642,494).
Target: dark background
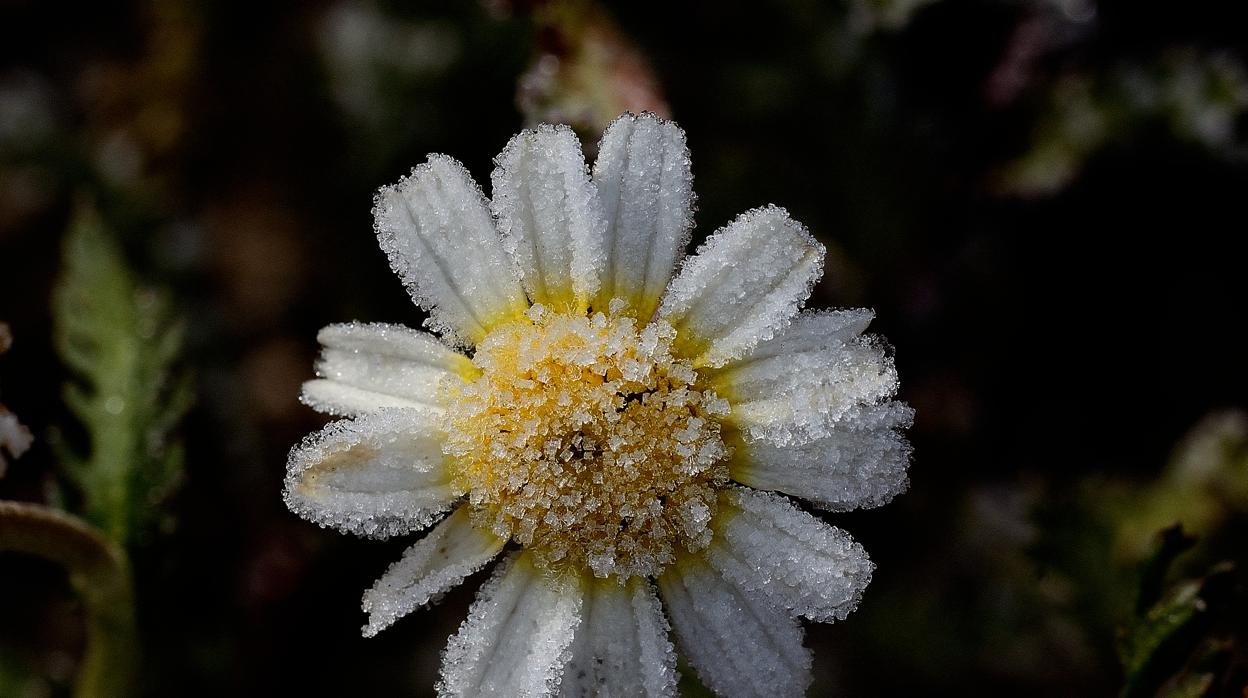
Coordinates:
(1043,201)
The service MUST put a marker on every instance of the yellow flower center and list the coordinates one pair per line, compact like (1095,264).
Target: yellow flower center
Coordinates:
(588,443)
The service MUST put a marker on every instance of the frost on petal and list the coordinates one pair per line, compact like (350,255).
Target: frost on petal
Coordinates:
(741,644)
(792,390)
(550,217)
(436,228)
(365,367)
(814,414)
(768,546)
(811,330)
(378,475)
(743,285)
(646,186)
(861,463)
(453,550)
(517,637)
(621,647)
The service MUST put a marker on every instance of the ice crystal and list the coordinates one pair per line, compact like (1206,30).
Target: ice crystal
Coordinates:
(587,442)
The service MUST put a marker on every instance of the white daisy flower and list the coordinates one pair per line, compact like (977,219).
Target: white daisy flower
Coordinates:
(627,423)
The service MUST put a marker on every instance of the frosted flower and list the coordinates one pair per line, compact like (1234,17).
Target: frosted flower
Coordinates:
(627,423)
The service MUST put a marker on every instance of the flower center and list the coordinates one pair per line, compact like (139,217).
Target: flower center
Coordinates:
(588,443)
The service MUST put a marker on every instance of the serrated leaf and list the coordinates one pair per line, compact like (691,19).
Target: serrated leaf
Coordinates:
(122,343)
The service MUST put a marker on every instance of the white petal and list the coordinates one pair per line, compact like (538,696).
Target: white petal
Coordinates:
(453,550)
(621,647)
(436,229)
(861,463)
(550,217)
(342,400)
(517,637)
(768,546)
(792,398)
(743,285)
(365,367)
(740,643)
(812,330)
(646,186)
(378,475)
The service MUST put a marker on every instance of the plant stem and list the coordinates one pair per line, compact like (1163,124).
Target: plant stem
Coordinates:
(100,572)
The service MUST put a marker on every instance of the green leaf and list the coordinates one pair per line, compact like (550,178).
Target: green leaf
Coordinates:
(1173,542)
(122,342)
(1172,646)
(1160,624)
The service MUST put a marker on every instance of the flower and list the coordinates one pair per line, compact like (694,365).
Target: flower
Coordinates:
(626,421)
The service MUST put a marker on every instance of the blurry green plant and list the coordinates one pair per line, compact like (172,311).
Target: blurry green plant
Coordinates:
(1119,540)
(122,343)
(585,71)
(1199,98)
(1178,644)
(99,571)
(1060,584)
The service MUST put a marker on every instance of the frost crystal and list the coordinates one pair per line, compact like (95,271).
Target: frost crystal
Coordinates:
(365,366)
(453,550)
(549,216)
(516,639)
(588,443)
(424,224)
(744,283)
(740,643)
(644,177)
(377,476)
(617,425)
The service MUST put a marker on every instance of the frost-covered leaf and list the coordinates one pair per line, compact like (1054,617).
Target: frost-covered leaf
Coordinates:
(122,343)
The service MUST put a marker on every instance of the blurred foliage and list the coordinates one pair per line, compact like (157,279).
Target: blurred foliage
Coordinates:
(1182,641)
(99,571)
(1198,97)
(15,438)
(1052,582)
(586,71)
(1205,486)
(122,343)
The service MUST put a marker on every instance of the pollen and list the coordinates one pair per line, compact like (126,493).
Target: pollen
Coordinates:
(586,441)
